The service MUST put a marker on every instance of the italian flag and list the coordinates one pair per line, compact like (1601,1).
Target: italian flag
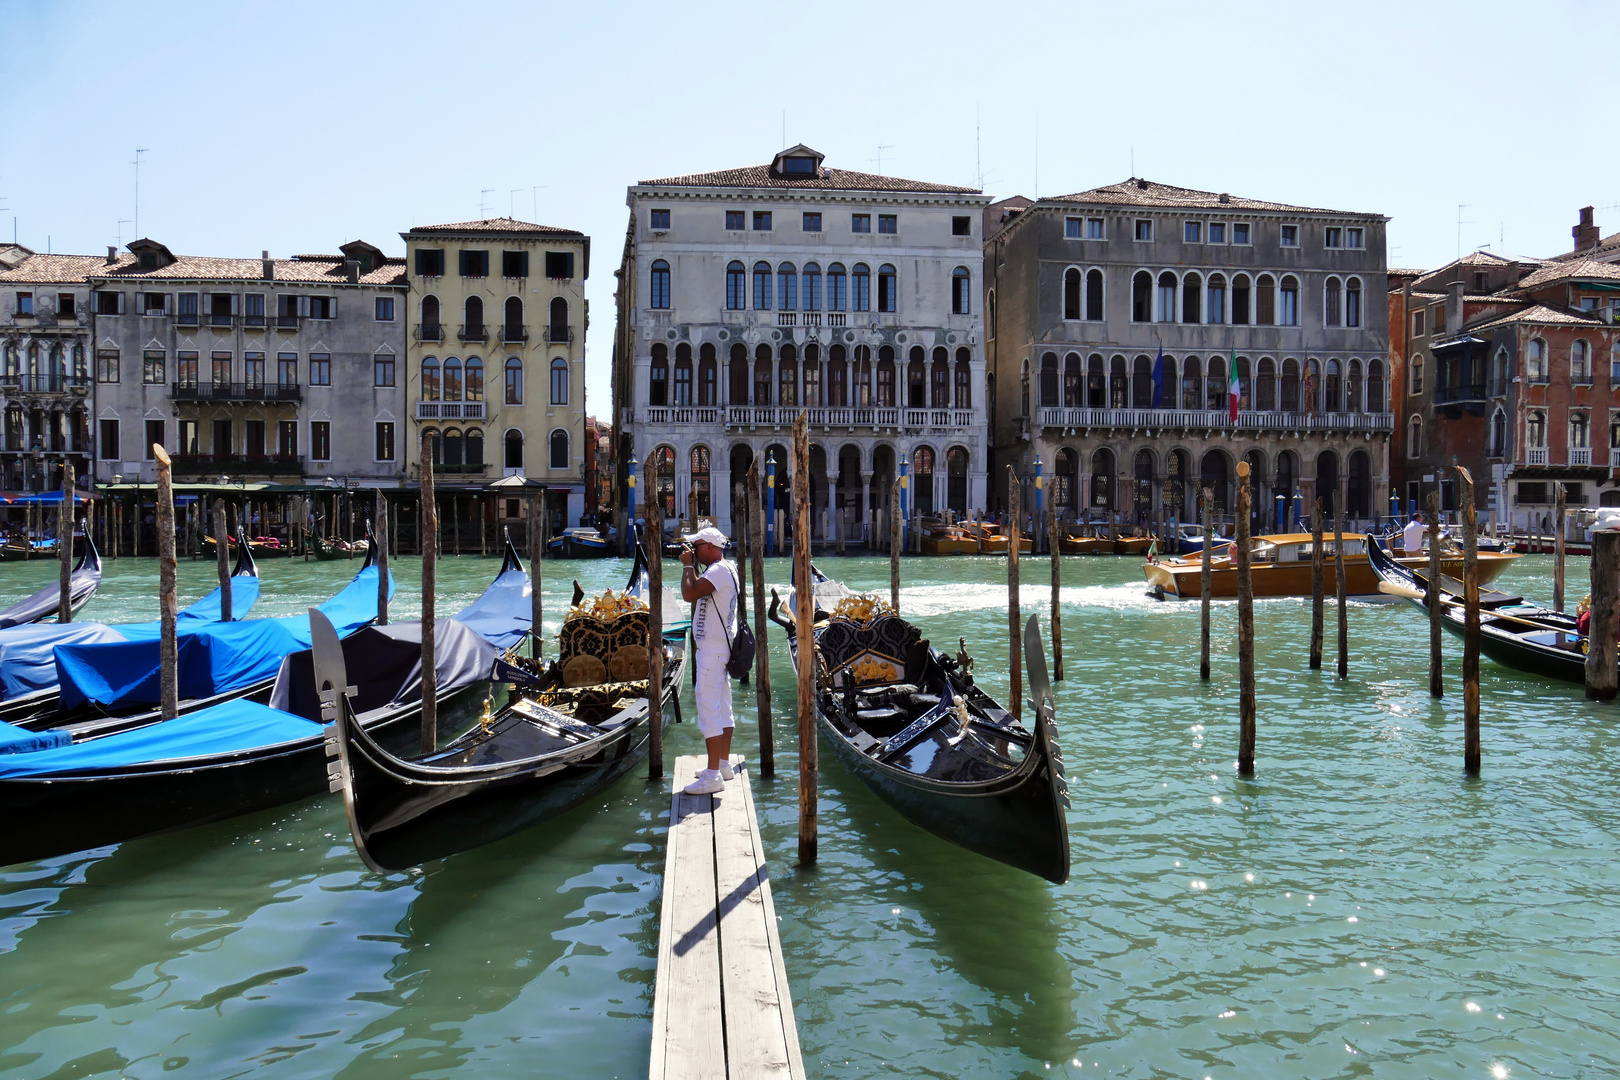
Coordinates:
(1233,390)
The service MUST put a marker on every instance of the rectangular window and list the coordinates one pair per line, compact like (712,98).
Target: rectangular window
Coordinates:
(109,440)
(25,303)
(287,369)
(154,303)
(474,264)
(1144,229)
(109,303)
(64,305)
(253,309)
(660,219)
(287,438)
(1438,319)
(961,225)
(154,367)
(185,437)
(515,264)
(1192,232)
(320,369)
(860,223)
(320,440)
(762,221)
(187,315)
(385,438)
(1240,232)
(253,370)
(812,222)
(253,438)
(221,369)
(560,265)
(1071,228)
(1332,237)
(429,262)
(889,223)
(385,309)
(1094,228)
(320,307)
(382,367)
(154,437)
(1355,238)
(186,369)
(1418,323)
(1217,232)
(734,220)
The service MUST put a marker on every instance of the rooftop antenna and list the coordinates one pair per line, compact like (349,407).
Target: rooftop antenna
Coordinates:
(1460,223)
(1133,163)
(1037,155)
(534,199)
(511,208)
(121,223)
(879,159)
(137,164)
(784,129)
(483,206)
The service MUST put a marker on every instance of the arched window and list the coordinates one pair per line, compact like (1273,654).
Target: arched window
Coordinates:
(699,462)
(81,364)
(1580,431)
(885,377)
(862,386)
(559,449)
(811,293)
(475,379)
(430,378)
(473,308)
(990,315)
(452,379)
(430,318)
(1192,384)
(1414,437)
(1142,297)
(787,287)
(683,374)
(512,320)
(1165,310)
(1096,384)
(1265,385)
(762,286)
(812,374)
(939,376)
(1241,314)
(1288,307)
(1352,302)
(1352,388)
(1102,479)
(922,480)
(1290,386)
(1415,383)
(1215,384)
(1245,379)
(1498,444)
(1580,362)
(1535,429)
(888,289)
(1094,296)
(1142,383)
(860,288)
(1049,381)
(1334,388)
(1074,396)
(837,293)
(9,370)
(762,375)
(514,380)
(658,375)
(787,376)
(559,381)
(738,378)
(1215,309)
(1535,361)
(1375,386)
(1499,373)
(708,376)
(450,443)
(964,378)
(961,291)
(1310,388)
(1071,293)
(658,286)
(1192,299)
(512,449)
(1118,386)
(736,286)
(1065,479)
(662,470)
(1330,302)
(1265,301)
(557,330)
(916,380)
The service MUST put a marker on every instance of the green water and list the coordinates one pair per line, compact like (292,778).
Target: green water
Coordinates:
(1359,908)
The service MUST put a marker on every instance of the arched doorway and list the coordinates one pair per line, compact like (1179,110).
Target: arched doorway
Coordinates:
(1286,485)
(1358,492)
(956,487)
(1215,475)
(1176,470)
(1142,488)
(1327,482)
(1065,481)
(1102,480)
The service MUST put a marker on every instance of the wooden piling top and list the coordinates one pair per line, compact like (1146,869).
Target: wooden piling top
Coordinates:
(721,1009)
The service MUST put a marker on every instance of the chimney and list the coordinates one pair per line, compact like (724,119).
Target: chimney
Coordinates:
(1454,306)
(1586,233)
(269,271)
(112,254)
(351,270)
(1225,197)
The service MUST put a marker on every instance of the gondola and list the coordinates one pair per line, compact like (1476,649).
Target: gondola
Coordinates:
(82,585)
(910,723)
(1539,640)
(564,738)
(19,547)
(579,543)
(77,791)
(327,550)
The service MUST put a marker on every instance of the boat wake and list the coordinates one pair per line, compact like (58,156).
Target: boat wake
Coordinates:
(928,600)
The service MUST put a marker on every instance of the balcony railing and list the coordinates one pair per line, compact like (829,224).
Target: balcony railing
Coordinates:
(460,468)
(812,318)
(44,384)
(1445,395)
(836,416)
(683,414)
(835,318)
(1212,419)
(1580,455)
(254,322)
(514,333)
(208,391)
(473,332)
(1535,455)
(253,464)
(220,320)
(287,322)
(188,318)
(787,318)
(430,332)
(450,410)
(559,335)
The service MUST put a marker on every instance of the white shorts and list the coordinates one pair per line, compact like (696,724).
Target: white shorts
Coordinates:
(713,694)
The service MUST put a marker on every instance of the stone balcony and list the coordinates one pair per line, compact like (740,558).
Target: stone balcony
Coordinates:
(824,417)
(1211,420)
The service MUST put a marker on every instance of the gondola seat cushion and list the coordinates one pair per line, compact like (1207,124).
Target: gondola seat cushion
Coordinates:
(628,662)
(871,652)
(883,721)
(583,670)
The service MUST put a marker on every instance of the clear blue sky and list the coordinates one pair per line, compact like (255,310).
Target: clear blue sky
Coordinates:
(297,126)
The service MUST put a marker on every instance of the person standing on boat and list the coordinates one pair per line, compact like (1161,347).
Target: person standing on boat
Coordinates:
(714,625)
(1412,535)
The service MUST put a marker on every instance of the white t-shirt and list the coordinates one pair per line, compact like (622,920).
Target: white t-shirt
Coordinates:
(1412,536)
(706,627)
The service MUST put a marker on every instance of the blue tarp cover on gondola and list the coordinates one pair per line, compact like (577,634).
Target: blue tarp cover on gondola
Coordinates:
(215,658)
(501,615)
(15,740)
(222,729)
(28,653)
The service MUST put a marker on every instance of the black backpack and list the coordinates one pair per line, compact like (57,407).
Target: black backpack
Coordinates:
(740,646)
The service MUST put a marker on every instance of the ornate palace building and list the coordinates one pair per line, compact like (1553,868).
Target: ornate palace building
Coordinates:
(45,386)
(749,295)
(1117,318)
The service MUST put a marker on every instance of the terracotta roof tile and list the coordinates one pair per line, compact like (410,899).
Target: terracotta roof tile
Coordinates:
(493,225)
(1541,313)
(1573,270)
(290,271)
(1138,192)
(825,179)
(55,269)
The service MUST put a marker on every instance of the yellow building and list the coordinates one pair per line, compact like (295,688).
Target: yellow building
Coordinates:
(495,359)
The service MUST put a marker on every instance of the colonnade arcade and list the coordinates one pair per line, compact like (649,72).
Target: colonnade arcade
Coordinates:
(790,374)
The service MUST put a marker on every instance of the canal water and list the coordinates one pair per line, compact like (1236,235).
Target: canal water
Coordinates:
(1359,908)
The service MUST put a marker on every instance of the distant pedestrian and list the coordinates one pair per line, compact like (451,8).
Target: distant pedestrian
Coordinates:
(1412,535)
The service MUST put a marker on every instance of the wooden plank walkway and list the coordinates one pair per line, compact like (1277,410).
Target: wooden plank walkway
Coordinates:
(721,1008)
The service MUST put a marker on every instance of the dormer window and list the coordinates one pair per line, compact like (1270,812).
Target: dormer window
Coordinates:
(798,166)
(149,260)
(797,163)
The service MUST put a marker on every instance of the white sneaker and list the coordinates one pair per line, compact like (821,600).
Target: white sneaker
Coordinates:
(707,783)
(728,771)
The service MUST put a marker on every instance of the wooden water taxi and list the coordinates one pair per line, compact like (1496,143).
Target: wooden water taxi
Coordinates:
(1282,567)
(1132,545)
(1085,540)
(992,539)
(940,537)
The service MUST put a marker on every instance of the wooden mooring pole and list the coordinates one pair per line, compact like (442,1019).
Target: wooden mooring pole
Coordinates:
(1339,584)
(379,531)
(894,546)
(1558,545)
(743,576)
(1437,682)
(536,604)
(762,653)
(1470,669)
(168,602)
(653,540)
(1057,609)
(1245,591)
(1015,652)
(1316,586)
(222,557)
(64,545)
(804,620)
(430,558)
(1602,672)
(1203,590)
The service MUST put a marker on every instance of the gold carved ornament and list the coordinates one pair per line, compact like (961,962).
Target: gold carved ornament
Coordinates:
(862,610)
(607,607)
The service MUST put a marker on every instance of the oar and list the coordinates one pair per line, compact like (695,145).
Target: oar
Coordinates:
(1417,594)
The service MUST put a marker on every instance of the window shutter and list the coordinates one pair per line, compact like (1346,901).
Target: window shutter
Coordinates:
(523,264)
(303,306)
(331,308)
(120,303)
(236,304)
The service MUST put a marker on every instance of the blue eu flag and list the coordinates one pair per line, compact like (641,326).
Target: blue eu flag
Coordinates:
(1158,380)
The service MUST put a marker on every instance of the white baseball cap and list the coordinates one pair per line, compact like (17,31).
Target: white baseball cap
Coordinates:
(707,535)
